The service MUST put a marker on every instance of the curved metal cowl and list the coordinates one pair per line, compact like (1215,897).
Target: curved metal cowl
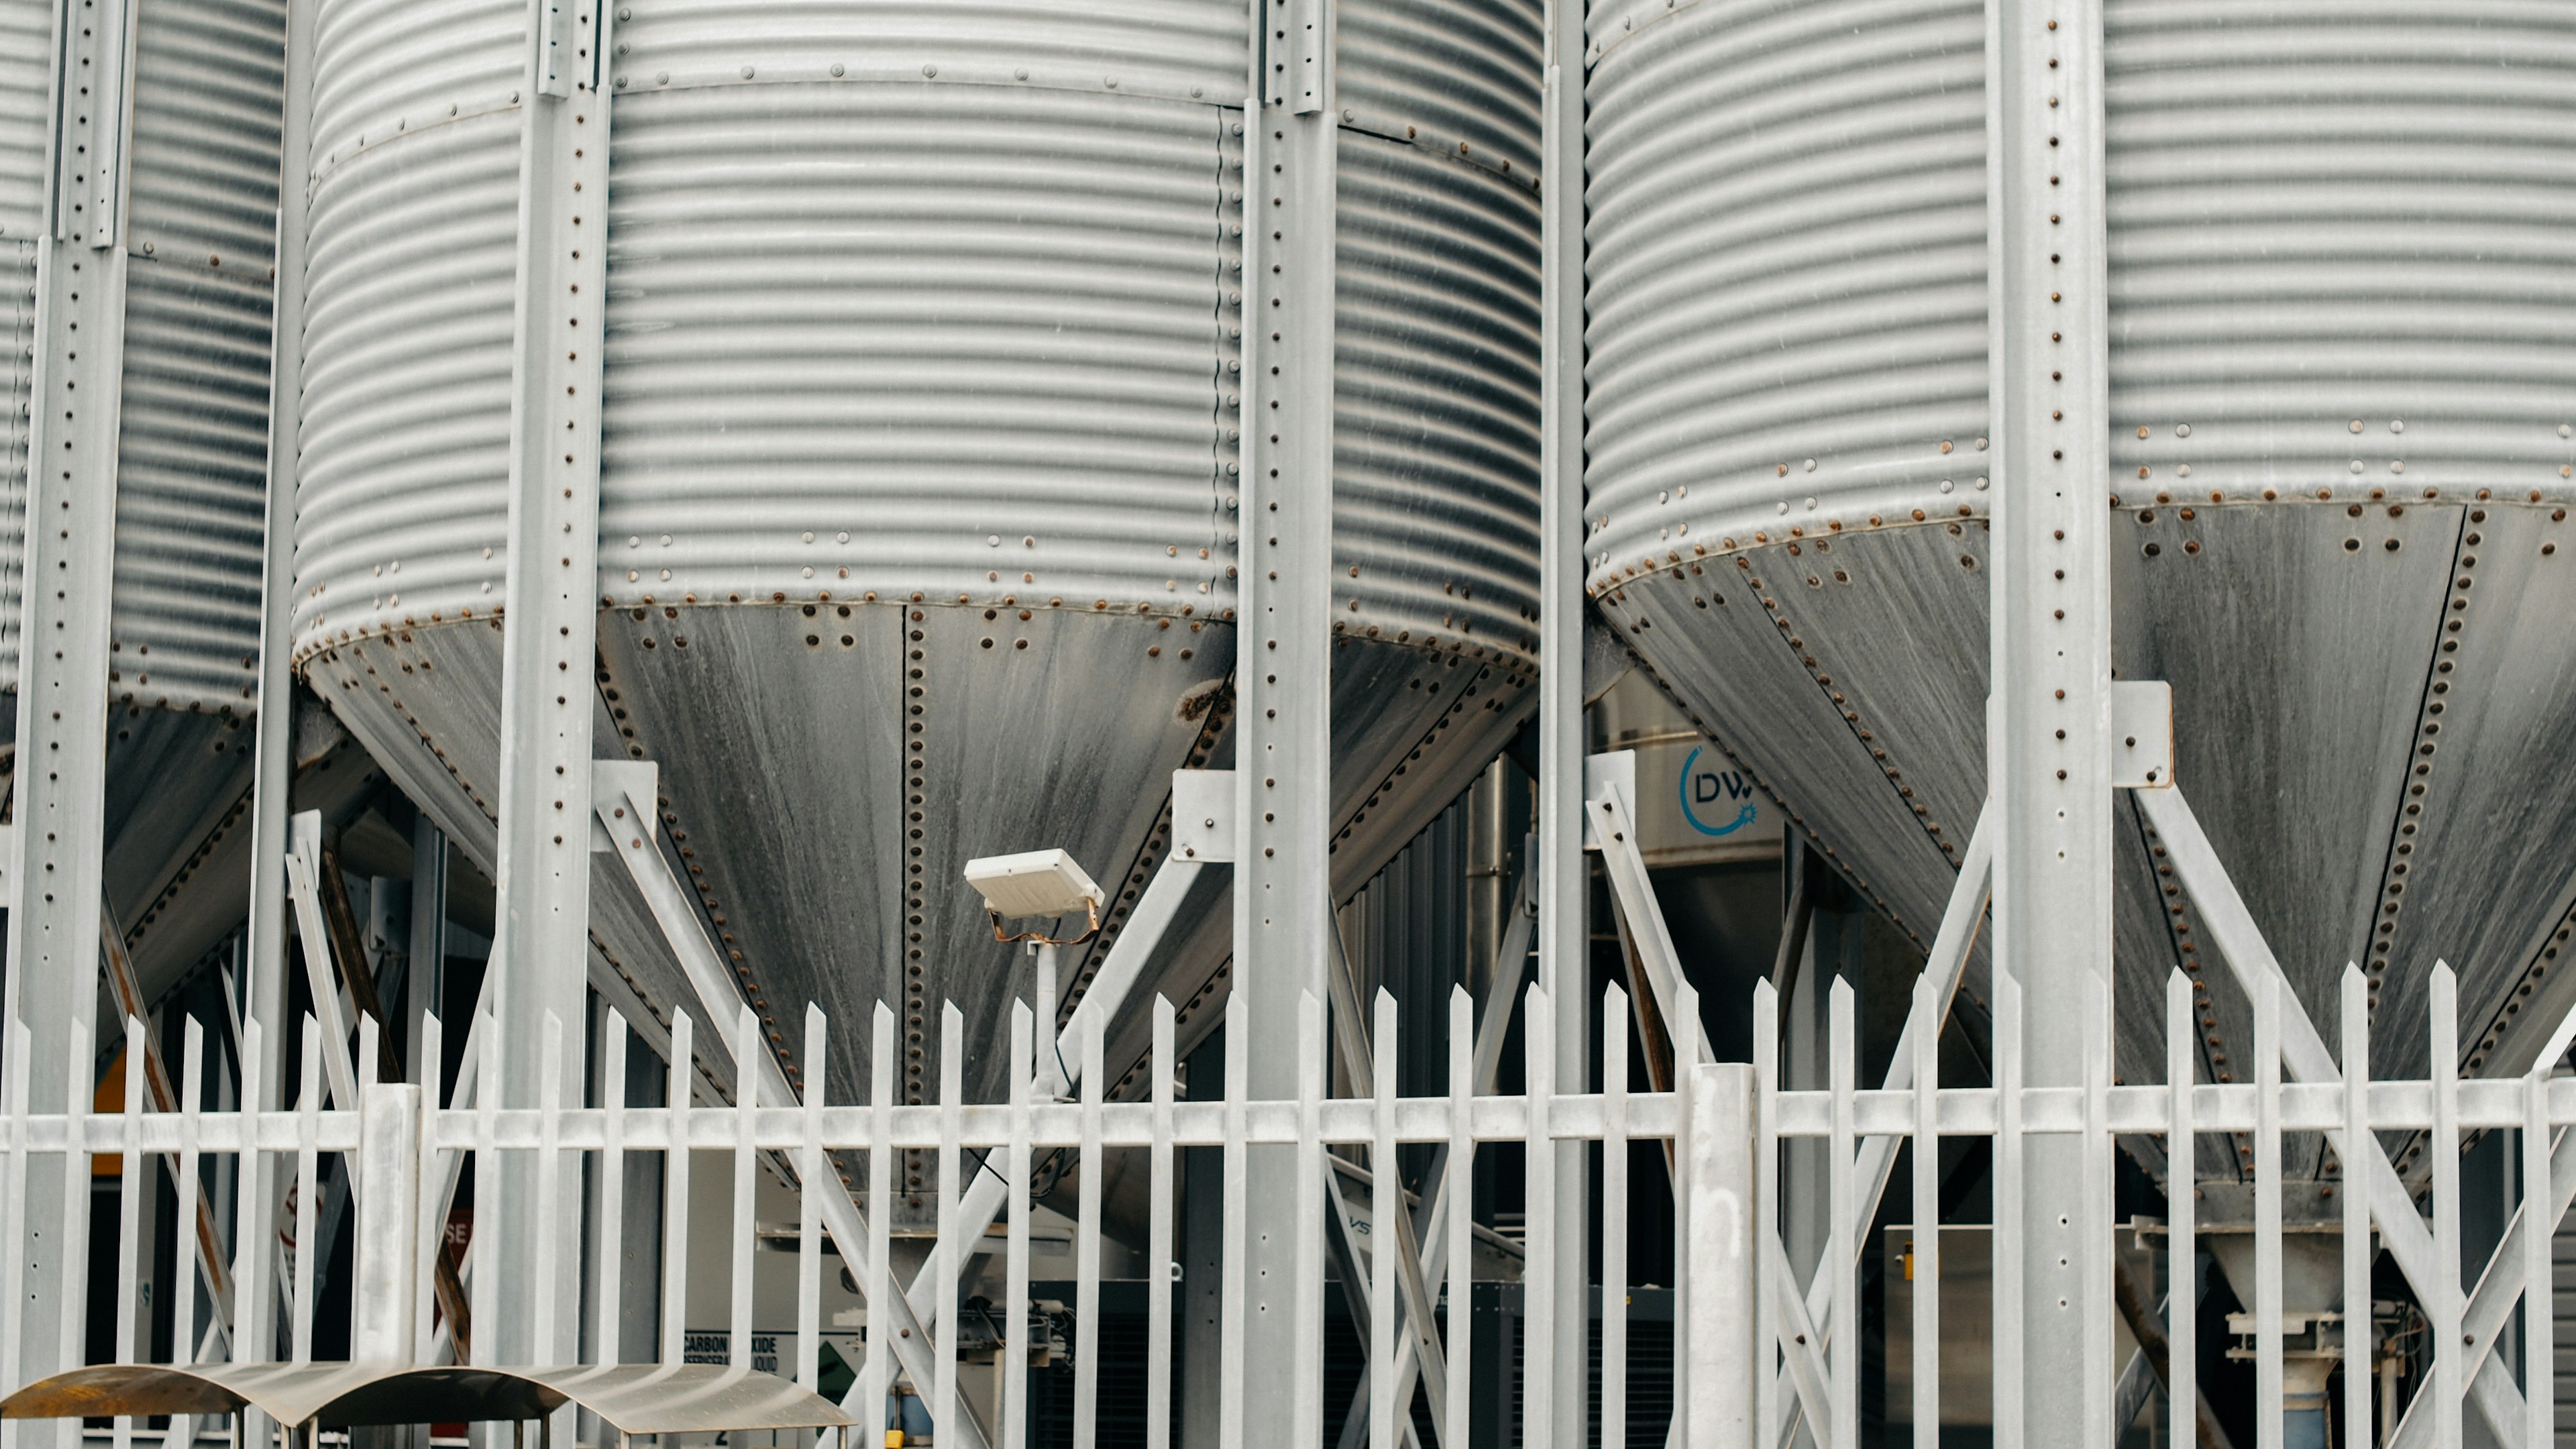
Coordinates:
(192,448)
(2342,288)
(918,520)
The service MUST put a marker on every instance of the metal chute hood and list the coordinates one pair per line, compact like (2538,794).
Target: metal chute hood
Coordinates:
(918,520)
(2341,288)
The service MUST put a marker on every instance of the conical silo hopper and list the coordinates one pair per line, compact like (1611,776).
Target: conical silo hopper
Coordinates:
(199,228)
(918,528)
(2341,293)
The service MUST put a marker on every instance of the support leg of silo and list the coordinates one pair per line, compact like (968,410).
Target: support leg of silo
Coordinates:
(541,938)
(54,887)
(2048,738)
(1564,953)
(1283,755)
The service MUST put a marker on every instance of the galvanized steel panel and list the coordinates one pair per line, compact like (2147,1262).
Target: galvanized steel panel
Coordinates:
(384,68)
(402,488)
(209,76)
(26,69)
(191,491)
(2341,298)
(916,338)
(1171,49)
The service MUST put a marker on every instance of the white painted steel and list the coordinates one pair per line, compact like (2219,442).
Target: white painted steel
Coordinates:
(1161,1266)
(2011,1340)
(1614,1216)
(2539,1303)
(2445,1308)
(383,1295)
(1924,1261)
(308,1182)
(675,1188)
(129,1212)
(608,1304)
(1842,1257)
(1722,1301)
(812,1166)
(1086,1255)
(1015,1175)
(1386,1208)
(948,1256)
(746,1182)
(877,1371)
(2359,1339)
(1460,1207)
(2268,1424)
(1540,1229)
(1721,1339)
(2182,1321)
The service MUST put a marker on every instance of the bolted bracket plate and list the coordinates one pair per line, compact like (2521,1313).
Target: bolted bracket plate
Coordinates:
(1203,816)
(2142,735)
(1615,769)
(619,786)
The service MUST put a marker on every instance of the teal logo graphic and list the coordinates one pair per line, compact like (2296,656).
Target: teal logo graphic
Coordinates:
(1714,788)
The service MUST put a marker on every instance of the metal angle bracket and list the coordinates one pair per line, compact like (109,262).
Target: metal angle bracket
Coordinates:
(2142,735)
(1203,827)
(1600,773)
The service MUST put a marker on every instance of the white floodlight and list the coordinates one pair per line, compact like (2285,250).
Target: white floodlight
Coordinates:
(1038,883)
(1033,884)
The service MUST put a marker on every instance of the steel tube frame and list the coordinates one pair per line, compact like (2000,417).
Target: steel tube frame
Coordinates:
(1564,957)
(55,883)
(541,949)
(1283,753)
(2048,764)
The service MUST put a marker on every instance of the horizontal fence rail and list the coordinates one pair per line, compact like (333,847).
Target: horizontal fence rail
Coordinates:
(1760,1354)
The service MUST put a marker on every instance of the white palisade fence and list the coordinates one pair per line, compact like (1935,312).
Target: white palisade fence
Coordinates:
(1760,1355)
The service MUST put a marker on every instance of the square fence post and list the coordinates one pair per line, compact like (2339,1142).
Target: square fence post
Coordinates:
(1723,1183)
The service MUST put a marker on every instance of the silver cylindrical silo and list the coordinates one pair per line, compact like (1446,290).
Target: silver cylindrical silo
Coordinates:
(200,227)
(918,519)
(2341,289)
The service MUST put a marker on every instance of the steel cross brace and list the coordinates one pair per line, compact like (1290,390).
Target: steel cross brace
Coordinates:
(2225,920)
(622,810)
(1432,1221)
(1805,1320)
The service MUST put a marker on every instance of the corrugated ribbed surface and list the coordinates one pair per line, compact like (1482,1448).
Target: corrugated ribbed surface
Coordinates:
(1788,260)
(1457,71)
(208,78)
(2323,213)
(965,338)
(192,470)
(407,379)
(26,61)
(2343,355)
(1435,452)
(1166,48)
(385,67)
(970,329)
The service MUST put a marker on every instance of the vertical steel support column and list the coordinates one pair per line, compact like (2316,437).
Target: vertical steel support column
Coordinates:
(2049,729)
(549,647)
(273,731)
(1564,942)
(54,889)
(1284,670)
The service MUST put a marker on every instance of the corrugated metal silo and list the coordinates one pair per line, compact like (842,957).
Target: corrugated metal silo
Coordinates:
(2340,380)
(918,503)
(192,449)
